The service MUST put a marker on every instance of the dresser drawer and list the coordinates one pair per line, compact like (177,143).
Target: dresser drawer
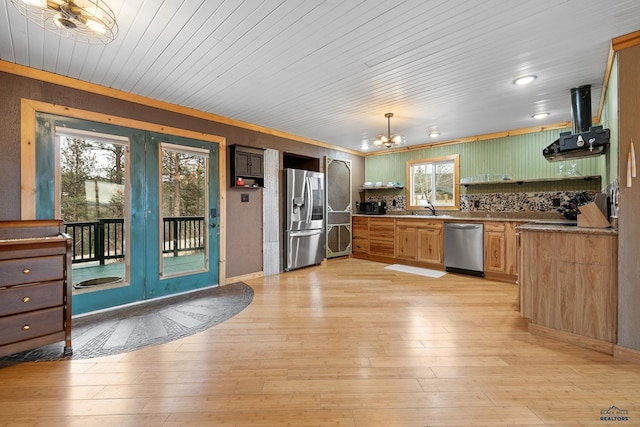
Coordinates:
(18,299)
(31,270)
(35,324)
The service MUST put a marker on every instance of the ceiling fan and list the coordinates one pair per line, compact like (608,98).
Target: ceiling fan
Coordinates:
(89,21)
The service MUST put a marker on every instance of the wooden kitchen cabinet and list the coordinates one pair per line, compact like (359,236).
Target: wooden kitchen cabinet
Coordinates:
(373,238)
(494,247)
(500,250)
(359,235)
(247,163)
(35,285)
(420,240)
(431,245)
(382,237)
(407,240)
(568,284)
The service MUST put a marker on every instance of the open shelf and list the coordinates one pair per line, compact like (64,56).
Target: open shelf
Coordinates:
(523,181)
(395,187)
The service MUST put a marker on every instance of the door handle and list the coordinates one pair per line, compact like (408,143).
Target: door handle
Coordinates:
(212,225)
(309,200)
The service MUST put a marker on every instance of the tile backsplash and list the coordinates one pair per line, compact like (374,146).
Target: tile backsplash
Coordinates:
(543,202)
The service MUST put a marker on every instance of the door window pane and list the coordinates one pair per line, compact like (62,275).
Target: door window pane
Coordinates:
(93,196)
(183,207)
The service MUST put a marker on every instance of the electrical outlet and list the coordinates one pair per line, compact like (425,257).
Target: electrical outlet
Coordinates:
(555,202)
(476,204)
(244,197)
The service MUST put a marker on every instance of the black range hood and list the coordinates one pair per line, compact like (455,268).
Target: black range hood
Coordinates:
(585,140)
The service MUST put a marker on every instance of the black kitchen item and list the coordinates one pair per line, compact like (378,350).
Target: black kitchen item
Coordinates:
(570,209)
(372,208)
(585,140)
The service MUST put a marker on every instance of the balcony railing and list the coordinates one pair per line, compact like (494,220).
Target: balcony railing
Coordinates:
(104,239)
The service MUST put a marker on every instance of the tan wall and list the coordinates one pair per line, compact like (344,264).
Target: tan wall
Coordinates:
(244,220)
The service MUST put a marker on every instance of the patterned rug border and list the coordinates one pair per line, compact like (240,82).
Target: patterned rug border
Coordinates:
(101,334)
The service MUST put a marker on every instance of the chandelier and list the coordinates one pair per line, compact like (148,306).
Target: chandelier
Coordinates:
(388,140)
(88,21)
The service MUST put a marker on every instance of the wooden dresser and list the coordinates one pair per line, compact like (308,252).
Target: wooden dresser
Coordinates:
(35,285)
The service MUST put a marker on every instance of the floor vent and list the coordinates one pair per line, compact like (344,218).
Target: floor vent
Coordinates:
(97,282)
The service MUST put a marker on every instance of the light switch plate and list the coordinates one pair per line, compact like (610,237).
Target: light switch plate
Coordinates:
(244,197)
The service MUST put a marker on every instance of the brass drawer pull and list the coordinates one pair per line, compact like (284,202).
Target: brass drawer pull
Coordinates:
(26,300)
(26,271)
(26,327)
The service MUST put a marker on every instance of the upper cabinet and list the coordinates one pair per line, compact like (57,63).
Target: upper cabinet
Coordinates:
(247,166)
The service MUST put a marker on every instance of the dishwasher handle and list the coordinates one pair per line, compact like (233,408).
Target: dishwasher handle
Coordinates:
(462,226)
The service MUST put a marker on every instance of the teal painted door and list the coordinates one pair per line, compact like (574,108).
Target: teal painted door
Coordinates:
(142,277)
(172,264)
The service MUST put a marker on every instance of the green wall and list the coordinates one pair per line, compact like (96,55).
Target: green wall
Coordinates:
(517,156)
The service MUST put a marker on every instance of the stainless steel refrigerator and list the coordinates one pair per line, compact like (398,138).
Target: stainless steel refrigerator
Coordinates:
(304,218)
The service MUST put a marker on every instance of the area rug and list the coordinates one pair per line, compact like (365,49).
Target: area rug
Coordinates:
(136,326)
(416,270)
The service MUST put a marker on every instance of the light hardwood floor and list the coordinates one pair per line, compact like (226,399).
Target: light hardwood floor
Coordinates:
(347,343)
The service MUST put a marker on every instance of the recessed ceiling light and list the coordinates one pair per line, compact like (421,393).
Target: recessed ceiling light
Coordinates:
(434,134)
(540,115)
(524,80)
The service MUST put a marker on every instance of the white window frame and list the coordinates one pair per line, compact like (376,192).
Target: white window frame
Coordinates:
(454,204)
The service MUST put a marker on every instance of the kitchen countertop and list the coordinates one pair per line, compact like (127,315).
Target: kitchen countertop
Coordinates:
(553,218)
(532,221)
(564,228)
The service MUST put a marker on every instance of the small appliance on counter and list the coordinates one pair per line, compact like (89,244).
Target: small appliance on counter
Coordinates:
(372,208)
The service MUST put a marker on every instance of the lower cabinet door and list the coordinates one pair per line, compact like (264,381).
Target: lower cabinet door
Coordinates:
(430,245)
(407,242)
(494,259)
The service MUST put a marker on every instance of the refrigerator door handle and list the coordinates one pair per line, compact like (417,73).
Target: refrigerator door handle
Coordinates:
(309,198)
(305,233)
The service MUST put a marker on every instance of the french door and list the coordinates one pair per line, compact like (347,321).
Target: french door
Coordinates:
(141,208)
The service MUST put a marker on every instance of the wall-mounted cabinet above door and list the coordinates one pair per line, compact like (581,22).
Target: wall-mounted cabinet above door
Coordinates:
(247,166)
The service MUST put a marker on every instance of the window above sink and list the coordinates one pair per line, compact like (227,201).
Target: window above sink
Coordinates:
(433,181)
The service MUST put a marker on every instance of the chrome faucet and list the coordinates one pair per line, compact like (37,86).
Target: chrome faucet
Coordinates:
(431,208)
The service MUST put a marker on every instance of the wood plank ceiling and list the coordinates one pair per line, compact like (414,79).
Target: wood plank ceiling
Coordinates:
(330,70)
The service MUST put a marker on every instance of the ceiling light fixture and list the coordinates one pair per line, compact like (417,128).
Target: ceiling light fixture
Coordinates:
(540,115)
(434,134)
(388,140)
(87,21)
(524,80)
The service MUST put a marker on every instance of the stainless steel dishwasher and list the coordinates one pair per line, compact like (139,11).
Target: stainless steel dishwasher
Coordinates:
(464,248)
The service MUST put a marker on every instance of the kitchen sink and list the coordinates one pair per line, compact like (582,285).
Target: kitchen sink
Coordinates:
(431,216)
